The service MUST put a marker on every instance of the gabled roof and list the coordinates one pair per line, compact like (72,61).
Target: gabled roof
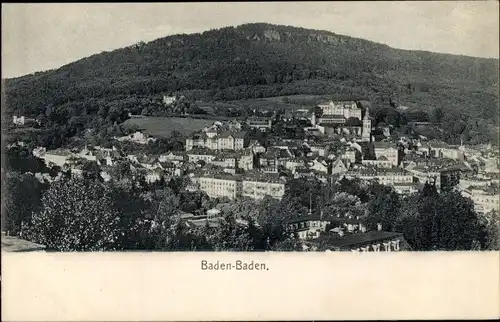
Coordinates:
(384,145)
(361,238)
(236,135)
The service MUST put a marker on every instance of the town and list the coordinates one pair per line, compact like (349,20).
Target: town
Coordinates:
(265,156)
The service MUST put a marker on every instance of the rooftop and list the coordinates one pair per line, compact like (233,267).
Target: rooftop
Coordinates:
(61,152)
(486,190)
(15,244)
(376,171)
(238,135)
(201,151)
(384,145)
(338,103)
(360,238)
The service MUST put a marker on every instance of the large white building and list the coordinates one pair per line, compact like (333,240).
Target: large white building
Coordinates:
(137,137)
(235,186)
(343,118)
(261,123)
(259,187)
(345,109)
(385,176)
(168,100)
(387,151)
(485,198)
(212,140)
(220,185)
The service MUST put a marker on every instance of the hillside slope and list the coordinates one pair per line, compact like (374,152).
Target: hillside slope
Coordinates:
(263,60)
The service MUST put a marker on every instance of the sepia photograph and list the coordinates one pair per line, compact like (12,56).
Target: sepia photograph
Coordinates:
(252,137)
(258,127)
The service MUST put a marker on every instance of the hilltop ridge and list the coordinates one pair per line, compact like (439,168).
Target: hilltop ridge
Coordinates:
(263,60)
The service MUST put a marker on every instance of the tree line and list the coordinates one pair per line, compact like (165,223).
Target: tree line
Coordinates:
(87,214)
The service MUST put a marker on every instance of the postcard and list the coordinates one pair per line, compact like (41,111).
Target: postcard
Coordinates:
(250,161)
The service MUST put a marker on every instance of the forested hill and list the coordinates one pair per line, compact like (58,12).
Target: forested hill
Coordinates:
(263,60)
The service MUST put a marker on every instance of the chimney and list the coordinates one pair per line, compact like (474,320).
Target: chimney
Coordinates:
(379,226)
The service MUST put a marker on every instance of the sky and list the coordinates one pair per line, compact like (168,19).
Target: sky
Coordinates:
(38,37)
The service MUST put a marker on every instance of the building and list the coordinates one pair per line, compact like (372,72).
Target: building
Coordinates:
(212,140)
(224,160)
(137,137)
(340,109)
(382,162)
(426,174)
(294,163)
(442,174)
(385,176)
(387,150)
(258,187)
(196,140)
(154,175)
(58,157)
(320,164)
(442,150)
(200,154)
(307,227)
(255,185)
(339,167)
(86,154)
(168,100)
(322,149)
(273,158)
(231,140)
(220,185)
(485,198)
(349,156)
(175,157)
(366,133)
(261,123)
(406,188)
(313,226)
(371,241)
(256,147)
(234,125)
(18,120)
(246,160)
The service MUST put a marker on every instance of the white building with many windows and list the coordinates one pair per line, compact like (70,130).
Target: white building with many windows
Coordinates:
(220,185)
(485,198)
(258,187)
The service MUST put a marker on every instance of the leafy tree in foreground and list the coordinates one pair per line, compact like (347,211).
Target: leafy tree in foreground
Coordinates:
(490,230)
(22,195)
(445,221)
(232,235)
(76,215)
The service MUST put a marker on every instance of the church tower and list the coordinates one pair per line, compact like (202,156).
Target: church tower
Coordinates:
(366,133)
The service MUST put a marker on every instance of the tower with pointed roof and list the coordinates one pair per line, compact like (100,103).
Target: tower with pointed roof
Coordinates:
(367,127)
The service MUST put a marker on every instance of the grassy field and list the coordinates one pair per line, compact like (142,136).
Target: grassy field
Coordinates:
(163,126)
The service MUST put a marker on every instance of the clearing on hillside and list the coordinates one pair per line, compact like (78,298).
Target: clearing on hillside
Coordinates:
(163,126)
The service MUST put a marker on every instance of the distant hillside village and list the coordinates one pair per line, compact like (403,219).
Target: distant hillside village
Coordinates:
(246,160)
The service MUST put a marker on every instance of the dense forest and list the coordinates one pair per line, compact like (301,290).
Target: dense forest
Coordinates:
(260,60)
